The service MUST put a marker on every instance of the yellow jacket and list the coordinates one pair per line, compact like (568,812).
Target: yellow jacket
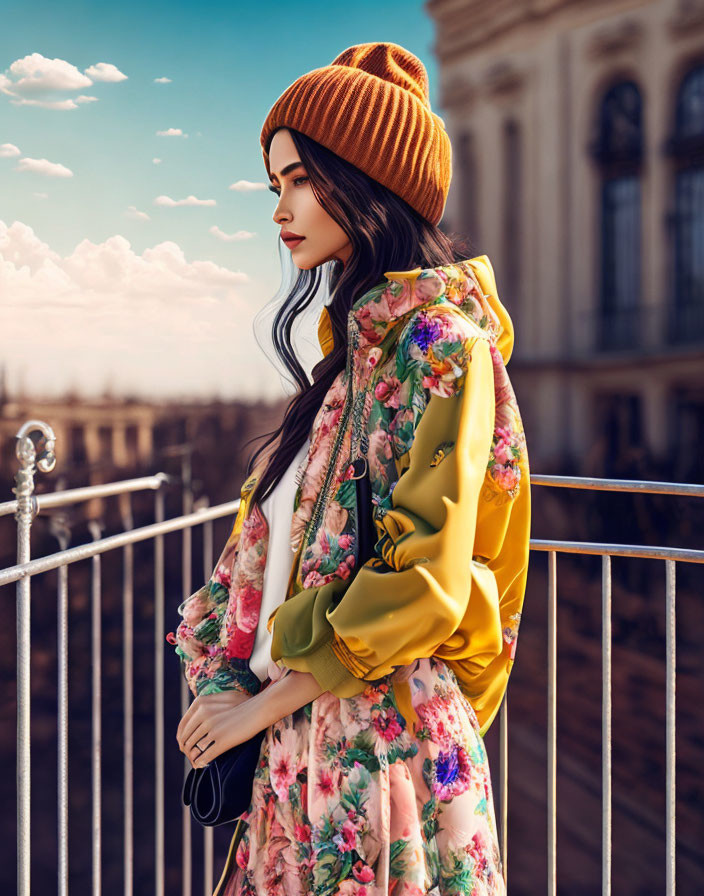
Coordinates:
(427,406)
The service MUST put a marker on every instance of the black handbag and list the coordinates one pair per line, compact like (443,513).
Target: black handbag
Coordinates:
(222,790)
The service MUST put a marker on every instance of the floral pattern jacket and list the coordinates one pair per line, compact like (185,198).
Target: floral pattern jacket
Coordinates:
(425,406)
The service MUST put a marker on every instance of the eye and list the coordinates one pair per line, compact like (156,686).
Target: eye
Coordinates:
(302,177)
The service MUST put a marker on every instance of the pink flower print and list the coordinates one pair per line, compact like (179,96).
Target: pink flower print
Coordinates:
(191,646)
(284,762)
(302,832)
(247,608)
(373,357)
(335,518)
(222,575)
(363,873)
(242,854)
(478,849)
(197,607)
(255,525)
(251,564)
(428,288)
(328,781)
(505,477)
(387,391)
(345,541)
(502,449)
(347,838)
(398,301)
(313,578)
(239,644)
(344,570)
(386,724)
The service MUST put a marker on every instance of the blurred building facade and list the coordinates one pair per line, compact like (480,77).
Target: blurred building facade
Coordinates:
(578,167)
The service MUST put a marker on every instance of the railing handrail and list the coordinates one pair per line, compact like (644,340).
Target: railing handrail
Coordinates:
(689,489)
(84,551)
(85,493)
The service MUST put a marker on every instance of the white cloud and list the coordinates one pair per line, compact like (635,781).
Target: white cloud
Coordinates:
(133,212)
(162,80)
(230,237)
(156,161)
(189,200)
(8,150)
(43,166)
(36,73)
(46,104)
(247,186)
(41,195)
(30,81)
(105,71)
(186,326)
(171,132)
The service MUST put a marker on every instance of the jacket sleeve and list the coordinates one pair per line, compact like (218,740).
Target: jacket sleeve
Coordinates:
(197,639)
(409,599)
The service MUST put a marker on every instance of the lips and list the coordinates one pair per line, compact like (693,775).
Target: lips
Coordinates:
(291,239)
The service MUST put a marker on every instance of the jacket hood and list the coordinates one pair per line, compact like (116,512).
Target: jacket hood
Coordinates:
(469,284)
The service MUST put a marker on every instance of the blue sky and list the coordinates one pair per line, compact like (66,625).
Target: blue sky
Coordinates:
(227,64)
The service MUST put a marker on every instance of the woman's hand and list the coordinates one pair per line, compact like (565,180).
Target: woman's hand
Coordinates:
(204,708)
(218,722)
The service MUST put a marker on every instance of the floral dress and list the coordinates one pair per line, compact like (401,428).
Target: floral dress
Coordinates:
(361,797)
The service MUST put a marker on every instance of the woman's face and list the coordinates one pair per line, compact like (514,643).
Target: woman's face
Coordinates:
(299,212)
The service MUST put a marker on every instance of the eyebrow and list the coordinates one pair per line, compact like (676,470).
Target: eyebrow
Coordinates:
(287,170)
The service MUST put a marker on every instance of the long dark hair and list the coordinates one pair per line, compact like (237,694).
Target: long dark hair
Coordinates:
(388,236)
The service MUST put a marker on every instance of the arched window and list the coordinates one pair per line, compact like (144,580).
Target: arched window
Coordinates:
(686,148)
(618,151)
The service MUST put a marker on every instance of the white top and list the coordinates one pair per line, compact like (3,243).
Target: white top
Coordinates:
(278,511)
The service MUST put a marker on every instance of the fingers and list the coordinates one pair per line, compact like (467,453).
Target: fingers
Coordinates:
(210,752)
(203,709)
(199,734)
(185,721)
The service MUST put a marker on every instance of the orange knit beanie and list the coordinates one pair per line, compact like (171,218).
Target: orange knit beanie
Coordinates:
(370,106)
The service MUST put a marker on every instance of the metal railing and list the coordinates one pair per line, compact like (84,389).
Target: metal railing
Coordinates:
(27,505)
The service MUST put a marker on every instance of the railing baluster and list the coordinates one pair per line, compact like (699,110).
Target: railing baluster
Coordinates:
(670,738)
(59,528)
(95,529)
(552,722)
(25,512)
(128,700)
(159,512)
(606,725)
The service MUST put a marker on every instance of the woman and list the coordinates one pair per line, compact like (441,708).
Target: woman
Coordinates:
(388,656)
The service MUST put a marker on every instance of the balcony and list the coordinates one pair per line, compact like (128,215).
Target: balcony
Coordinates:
(122,753)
